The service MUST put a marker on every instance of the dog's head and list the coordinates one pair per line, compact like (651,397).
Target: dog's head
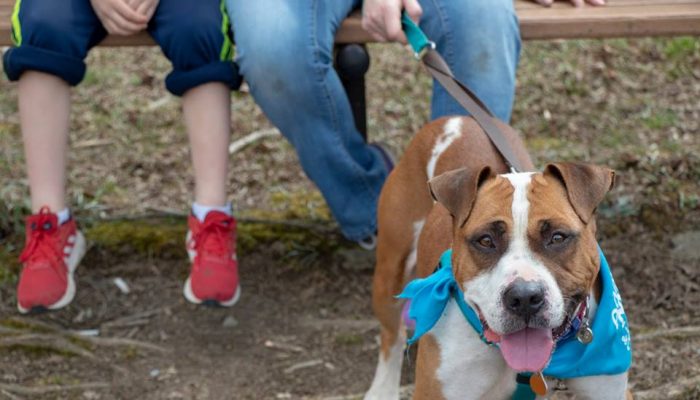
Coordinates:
(524,250)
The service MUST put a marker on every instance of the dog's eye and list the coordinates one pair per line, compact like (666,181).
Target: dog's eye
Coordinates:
(558,238)
(486,242)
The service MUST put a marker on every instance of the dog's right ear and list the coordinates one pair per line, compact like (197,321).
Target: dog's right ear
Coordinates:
(456,190)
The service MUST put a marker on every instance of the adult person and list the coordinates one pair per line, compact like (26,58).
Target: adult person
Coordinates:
(285,51)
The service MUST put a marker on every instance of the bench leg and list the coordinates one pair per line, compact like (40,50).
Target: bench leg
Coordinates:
(352,63)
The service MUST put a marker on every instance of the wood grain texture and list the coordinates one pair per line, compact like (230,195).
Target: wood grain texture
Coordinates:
(619,18)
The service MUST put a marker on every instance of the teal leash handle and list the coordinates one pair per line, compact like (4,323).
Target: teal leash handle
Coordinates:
(416,37)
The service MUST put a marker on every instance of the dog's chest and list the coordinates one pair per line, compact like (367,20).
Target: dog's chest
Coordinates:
(469,369)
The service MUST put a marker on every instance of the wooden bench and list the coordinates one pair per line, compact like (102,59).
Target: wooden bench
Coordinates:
(619,18)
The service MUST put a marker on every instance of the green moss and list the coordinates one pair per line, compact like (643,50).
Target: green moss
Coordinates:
(299,222)
(37,350)
(16,323)
(9,266)
(544,143)
(151,238)
(348,339)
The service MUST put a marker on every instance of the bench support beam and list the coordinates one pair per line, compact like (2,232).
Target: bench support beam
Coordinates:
(352,63)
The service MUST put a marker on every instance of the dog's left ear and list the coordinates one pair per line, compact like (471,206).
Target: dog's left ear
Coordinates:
(456,190)
(585,184)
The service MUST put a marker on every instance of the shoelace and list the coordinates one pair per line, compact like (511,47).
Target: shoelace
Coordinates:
(214,236)
(42,240)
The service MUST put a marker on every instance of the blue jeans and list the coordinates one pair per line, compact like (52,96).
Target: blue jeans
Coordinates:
(285,52)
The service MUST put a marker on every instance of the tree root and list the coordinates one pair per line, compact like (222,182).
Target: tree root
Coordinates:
(39,390)
(682,332)
(669,390)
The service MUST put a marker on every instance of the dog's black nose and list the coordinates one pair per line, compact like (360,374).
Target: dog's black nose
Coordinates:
(524,298)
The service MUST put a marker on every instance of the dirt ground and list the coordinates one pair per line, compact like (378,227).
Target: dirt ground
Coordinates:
(303,327)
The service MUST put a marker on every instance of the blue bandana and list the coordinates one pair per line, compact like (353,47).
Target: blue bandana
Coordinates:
(609,353)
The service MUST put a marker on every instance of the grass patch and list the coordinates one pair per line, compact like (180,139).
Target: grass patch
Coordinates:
(661,119)
(681,48)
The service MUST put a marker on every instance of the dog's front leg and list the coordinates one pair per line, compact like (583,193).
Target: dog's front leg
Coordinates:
(600,387)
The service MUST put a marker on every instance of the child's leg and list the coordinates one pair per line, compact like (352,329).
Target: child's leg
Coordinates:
(51,40)
(207,117)
(44,110)
(194,36)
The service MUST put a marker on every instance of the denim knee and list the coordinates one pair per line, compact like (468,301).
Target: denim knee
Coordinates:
(283,63)
(480,40)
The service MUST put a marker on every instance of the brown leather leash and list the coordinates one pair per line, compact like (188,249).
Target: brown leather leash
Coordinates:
(425,51)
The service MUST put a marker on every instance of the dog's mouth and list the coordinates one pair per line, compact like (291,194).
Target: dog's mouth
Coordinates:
(529,348)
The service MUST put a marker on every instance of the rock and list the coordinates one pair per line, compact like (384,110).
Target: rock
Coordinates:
(355,258)
(686,245)
(91,395)
(229,322)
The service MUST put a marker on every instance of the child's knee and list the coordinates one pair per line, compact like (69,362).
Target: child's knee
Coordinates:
(51,38)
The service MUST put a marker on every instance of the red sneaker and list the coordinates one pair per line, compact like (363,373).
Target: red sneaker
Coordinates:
(50,256)
(211,246)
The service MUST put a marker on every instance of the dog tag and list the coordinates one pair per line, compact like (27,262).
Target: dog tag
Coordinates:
(538,384)
(584,334)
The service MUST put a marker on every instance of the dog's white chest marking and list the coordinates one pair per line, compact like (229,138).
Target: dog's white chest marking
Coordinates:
(451,131)
(469,369)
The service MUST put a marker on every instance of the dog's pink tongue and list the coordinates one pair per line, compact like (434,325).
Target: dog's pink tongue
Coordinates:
(528,349)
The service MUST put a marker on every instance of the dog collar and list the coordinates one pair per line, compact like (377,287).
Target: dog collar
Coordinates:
(608,353)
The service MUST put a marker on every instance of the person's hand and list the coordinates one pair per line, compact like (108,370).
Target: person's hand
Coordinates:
(576,3)
(382,18)
(118,18)
(144,7)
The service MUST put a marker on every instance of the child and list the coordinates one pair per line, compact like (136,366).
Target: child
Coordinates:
(52,39)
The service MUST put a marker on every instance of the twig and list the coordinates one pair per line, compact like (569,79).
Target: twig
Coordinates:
(669,390)
(57,333)
(27,390)
(362,325)
(93,143)
(283,346)
(9,395)
(49,341)
(301,365)
(684,331)
(404,391)
(156,104)
(115,342)
(131,320)
(9,331)
(251,138)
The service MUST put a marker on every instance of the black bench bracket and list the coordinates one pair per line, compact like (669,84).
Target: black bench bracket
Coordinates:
(352,63)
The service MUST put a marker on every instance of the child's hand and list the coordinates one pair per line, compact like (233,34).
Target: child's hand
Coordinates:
(144,7)
(118,17)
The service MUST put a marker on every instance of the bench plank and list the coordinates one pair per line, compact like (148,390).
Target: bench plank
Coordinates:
(620,18)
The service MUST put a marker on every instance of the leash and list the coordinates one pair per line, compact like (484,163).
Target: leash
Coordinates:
(424,50)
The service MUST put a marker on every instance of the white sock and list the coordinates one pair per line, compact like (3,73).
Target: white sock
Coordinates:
(63,216)
(201,211)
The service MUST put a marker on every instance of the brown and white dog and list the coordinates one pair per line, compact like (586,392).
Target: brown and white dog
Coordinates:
(510,233)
